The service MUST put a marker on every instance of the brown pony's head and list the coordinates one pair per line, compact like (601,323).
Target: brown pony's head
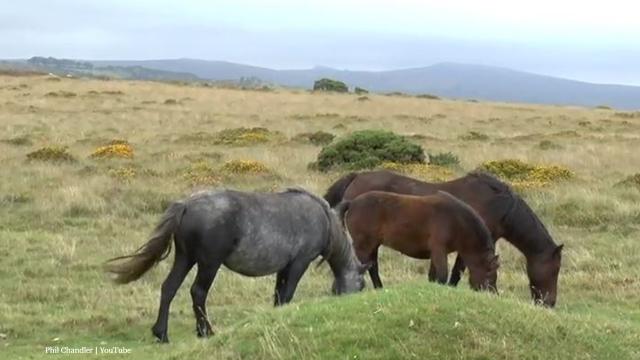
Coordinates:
(483,275)
(543,273)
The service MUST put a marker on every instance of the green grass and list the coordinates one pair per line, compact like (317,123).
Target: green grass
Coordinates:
(59,221)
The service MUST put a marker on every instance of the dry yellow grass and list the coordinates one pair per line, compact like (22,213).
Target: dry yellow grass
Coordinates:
(59,221)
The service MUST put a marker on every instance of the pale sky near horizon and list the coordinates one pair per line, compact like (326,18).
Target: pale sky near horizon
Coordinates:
(586,40)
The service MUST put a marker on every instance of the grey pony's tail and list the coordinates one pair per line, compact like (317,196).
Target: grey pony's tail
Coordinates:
(152,252)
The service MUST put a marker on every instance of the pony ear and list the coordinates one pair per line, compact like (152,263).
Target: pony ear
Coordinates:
(558,250)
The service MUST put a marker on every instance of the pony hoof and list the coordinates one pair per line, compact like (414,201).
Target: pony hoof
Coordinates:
(161,336)
(204,333)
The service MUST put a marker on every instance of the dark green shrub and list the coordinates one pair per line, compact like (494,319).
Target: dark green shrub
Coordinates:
(444,159)
(367,149)
(330,85)
(428,96)
(359,90)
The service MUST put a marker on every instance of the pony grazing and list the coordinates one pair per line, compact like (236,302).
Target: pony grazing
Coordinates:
(254,234)
(505,213)
(421,227)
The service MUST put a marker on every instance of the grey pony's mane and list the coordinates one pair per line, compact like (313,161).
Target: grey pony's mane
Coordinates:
(339,250)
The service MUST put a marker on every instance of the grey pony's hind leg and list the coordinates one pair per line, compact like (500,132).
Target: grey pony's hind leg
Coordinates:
(199,290)
(291,275)
(456,272)
(181,266)
(281,280)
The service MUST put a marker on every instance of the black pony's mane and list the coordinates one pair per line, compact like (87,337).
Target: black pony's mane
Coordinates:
(522,226)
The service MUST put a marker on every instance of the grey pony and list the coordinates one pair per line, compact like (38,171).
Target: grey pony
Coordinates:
(254,234)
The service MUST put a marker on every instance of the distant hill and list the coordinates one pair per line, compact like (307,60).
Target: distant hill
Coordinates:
(451,80)
(65,67)
(445,79)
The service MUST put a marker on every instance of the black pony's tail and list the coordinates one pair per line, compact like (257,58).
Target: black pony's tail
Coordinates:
(152,252)
(336,191)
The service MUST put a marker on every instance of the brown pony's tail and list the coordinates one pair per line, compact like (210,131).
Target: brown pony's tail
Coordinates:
(342,209)
(152,252)
(336,191)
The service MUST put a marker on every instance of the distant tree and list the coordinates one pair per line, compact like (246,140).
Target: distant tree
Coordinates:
(359,90)
(330,85)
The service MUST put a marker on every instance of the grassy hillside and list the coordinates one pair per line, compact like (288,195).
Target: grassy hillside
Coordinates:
(60,220)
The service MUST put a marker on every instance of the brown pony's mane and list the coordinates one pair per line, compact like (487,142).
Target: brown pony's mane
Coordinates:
(477,222)
(518,219)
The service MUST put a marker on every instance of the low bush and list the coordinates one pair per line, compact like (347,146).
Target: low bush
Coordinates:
(330,85)
(368,149)
(444,159)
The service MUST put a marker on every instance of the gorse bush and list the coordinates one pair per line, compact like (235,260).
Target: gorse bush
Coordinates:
(524,176)
(444,159)
(201,173)
(368,149)
(421,171)
(115,149)
(52,154)
(330,85)
(246,136)
(315,138)
(242,167)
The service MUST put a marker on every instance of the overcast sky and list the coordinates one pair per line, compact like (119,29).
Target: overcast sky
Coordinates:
(594,41)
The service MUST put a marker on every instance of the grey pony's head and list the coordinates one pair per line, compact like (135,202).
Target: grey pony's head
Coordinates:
(339,253)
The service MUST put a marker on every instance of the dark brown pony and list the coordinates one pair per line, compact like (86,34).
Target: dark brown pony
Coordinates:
(422,227)
(505,214)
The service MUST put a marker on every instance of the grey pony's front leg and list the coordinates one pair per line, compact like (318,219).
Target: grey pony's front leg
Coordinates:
(287,281)
(456,272)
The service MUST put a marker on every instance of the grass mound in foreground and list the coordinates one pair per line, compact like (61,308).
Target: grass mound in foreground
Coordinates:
(420,320)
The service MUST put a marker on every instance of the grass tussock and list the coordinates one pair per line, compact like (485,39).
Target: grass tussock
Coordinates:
(318,138)
(474,136)
(51,154)
(632,181)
